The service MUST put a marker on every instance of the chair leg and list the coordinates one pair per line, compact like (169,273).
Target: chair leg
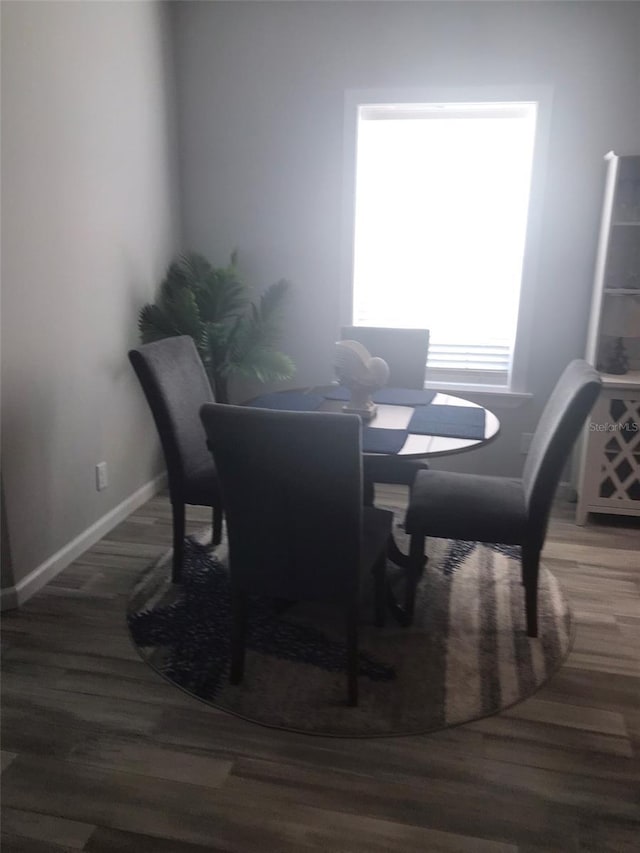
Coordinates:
(238,635)
(530,567)
(380,590)
(413,572)
(352,654)
(178,541)
(216,526)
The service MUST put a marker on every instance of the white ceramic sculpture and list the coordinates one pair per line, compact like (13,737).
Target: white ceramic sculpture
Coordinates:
(362,374)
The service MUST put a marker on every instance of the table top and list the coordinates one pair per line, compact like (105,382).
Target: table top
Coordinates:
(420,446)
(396,417)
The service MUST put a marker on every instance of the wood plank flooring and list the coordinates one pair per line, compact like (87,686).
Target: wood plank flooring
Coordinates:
(100,754)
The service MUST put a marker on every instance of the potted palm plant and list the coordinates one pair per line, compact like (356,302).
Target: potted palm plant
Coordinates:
(234,333)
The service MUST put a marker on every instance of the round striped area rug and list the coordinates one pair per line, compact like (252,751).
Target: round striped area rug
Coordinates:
(466,656)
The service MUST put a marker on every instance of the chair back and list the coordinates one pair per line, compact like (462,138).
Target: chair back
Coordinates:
(404,350)
(560,423)
(292,491)
(175,384)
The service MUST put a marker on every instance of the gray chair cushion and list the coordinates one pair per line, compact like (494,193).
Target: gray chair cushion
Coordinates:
(467,506)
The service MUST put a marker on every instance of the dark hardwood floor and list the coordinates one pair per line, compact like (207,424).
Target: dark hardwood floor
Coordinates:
(100,754)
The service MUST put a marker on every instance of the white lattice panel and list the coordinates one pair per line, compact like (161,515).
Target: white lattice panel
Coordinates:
(610,481)
(620,465)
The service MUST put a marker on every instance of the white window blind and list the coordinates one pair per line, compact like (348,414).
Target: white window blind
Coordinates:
(441,202)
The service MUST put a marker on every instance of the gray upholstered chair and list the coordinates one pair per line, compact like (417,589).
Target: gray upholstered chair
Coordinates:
(296,524)
(175,384)
(481,508)
(406,352)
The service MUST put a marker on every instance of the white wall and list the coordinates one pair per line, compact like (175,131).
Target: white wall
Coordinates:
(261,93)
(89,222)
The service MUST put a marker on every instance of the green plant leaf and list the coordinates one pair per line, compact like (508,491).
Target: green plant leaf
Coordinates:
(154,324)
(222,296)
(272,300)
(186,315)
(196,268)
(214,306)
(175,281)
(218,341)
(265,365)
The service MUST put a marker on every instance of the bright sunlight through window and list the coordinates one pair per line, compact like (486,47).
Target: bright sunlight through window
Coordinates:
(442,194)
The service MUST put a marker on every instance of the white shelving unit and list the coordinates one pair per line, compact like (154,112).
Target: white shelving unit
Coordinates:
(609,472)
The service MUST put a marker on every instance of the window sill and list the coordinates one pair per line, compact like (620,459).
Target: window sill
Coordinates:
(496,396)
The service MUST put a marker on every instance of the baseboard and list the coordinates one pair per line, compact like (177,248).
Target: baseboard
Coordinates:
(8,598)
(14,596)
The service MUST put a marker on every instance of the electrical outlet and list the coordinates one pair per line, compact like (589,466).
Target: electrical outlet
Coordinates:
(525,442)
(102,480)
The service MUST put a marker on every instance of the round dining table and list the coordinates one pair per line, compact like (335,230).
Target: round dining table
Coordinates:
(412,424)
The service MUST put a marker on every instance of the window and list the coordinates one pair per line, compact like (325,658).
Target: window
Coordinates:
(441,208)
